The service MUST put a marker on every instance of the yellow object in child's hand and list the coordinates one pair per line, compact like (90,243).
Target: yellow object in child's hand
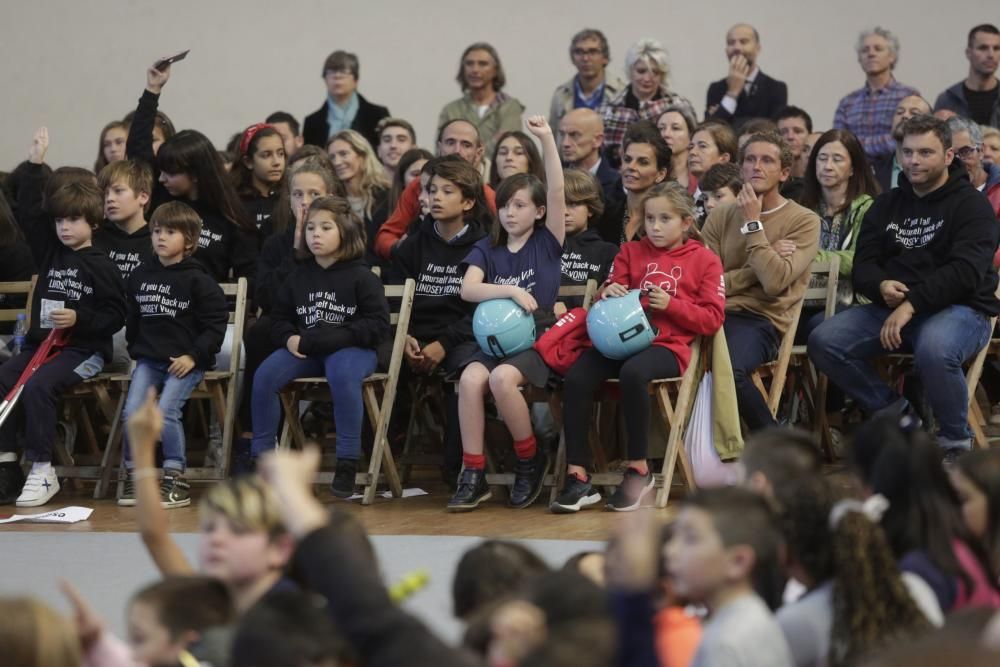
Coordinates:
(409,585)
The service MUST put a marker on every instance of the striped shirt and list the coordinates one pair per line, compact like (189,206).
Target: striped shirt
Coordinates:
(868,114)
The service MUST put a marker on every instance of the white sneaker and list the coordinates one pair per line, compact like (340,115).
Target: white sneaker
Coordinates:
(39,488)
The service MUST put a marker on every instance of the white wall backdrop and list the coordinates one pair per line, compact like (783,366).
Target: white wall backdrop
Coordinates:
(73,66)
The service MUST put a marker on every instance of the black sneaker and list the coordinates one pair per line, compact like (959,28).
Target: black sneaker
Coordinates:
(575,495)
(174,490)
(629,494)
(11,482)
(529,477)
(127,497)
(472,490)
(343,478)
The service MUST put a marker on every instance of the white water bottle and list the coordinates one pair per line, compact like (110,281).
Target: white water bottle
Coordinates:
(20,331)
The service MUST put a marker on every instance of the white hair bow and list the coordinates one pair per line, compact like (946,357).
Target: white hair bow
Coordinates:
(873,508)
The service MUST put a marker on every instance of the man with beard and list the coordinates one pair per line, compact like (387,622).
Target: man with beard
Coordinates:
(924,261)
(887,168)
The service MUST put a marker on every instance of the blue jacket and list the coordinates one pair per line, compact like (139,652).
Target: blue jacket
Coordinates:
(953,99)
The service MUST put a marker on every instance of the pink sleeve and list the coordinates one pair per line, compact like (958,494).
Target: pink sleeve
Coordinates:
(109,651)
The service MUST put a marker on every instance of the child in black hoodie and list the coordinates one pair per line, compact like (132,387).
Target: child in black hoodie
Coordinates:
(188,168)
(440,332)
(177,318)
(79,289)
(585,254)
(127,186)
(329,317)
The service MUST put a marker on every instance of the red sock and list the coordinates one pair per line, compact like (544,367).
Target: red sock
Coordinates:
(582,476)
(644,470)
(474,461)
(525,449)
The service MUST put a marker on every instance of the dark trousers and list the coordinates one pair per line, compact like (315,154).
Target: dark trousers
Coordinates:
(40,398)
(257,346)
(634,374)
(753,341)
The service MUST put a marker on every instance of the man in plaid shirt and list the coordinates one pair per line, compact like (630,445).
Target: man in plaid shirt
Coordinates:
(868,111)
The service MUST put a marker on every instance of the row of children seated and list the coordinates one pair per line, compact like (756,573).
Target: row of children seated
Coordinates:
(789,567)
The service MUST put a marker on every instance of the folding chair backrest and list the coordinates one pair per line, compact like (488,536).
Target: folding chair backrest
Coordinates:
(14,289)
(400,319)
(587,292)
(237,316)
(824,289)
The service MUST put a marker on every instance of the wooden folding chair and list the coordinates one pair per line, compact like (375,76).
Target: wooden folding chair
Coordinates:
(379,412)
(777,370)
(975,416)
(221,387)
(823,284)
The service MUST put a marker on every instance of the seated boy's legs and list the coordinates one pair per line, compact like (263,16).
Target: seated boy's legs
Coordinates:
(346,370)
(39,400)
(532,461)
(277,371)
(454,360)
(942,343)
(472,488)
(753,341)
(841,348)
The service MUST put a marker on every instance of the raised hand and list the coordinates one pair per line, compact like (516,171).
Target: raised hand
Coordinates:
(89,624)
(156,79)
(538,126)
(39,145)
(290,474)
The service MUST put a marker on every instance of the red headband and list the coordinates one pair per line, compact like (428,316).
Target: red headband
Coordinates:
(249,134)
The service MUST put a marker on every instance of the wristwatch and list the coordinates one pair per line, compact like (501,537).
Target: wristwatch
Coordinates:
(751,227)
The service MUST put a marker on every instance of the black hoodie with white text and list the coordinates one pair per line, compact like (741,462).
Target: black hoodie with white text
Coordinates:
(341,306)
(175,310)
(586,256)
(126,250)
(439,314)
(940,246)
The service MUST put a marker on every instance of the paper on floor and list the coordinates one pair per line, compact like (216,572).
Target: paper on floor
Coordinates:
(407,493)
(63,515)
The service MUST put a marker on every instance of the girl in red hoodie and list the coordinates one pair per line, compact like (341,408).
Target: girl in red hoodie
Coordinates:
(684,296)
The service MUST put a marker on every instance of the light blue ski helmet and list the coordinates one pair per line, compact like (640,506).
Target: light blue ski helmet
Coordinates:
(618,326)
(502,328)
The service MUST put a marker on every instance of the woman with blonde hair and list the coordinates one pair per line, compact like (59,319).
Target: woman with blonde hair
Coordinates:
(645,98)
(358,167)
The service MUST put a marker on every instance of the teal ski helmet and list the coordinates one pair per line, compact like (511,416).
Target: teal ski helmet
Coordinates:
(618,326)
(502,328)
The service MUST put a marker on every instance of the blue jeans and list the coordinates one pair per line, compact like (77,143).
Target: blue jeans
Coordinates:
(174,393)
(753,341)
(940,342)
(345,370)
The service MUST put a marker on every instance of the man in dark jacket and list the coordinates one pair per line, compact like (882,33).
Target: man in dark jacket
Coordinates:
(345,108)
(746,92)
(978,95)
(924,260)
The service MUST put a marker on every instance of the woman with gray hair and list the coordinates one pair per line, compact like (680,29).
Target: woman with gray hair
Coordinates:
(645,98)
(483,102)
(867,112)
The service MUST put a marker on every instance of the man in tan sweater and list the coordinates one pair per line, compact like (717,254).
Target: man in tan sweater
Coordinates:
(766,243)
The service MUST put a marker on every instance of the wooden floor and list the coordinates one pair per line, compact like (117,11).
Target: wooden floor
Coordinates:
(421,515)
